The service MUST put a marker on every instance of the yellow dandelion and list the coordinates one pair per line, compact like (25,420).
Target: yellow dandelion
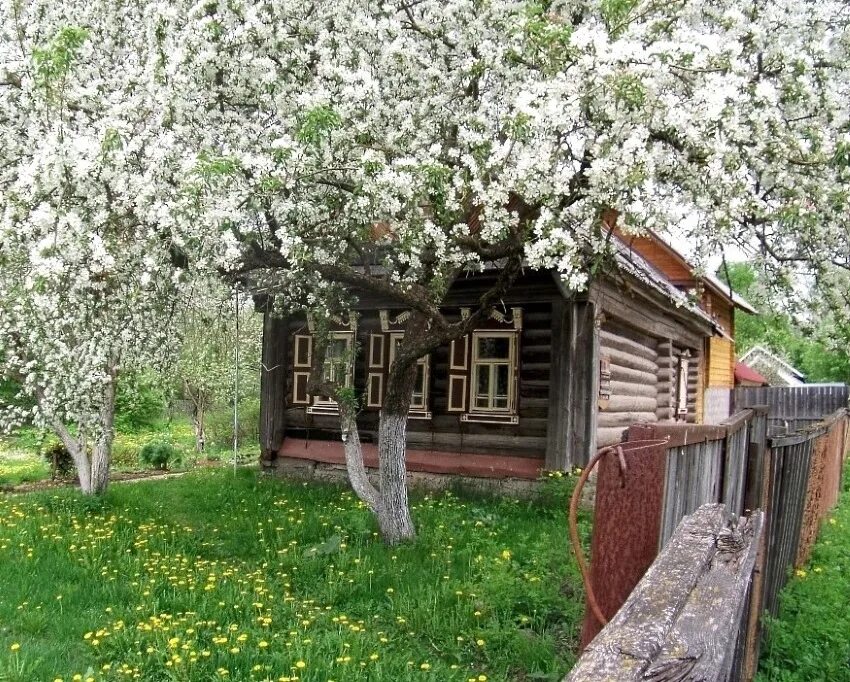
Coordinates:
(425,666)
(300,665)
(15,646)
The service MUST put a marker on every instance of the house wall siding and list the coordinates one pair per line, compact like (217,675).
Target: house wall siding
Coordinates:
(633,358)
(445,431)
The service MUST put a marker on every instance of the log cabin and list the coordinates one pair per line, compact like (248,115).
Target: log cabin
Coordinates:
(550,377)
(717,376)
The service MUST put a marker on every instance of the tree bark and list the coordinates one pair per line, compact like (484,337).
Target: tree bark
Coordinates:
(102,454)
(394,511)
(357,475)
(200,431)
(77,450)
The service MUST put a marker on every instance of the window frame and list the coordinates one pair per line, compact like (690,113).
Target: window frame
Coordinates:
(513,373)
(325,403)
(682,377)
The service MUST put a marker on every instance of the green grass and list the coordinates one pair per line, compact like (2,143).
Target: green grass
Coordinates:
(21,460)
(239,577)
(810,640)
(20,466)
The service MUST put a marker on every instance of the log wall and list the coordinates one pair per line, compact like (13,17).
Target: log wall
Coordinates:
(445,431)
(633,361)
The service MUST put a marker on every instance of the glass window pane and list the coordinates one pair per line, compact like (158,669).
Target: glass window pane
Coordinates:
(500,402)
(482,383)
(494,347)
(501,380)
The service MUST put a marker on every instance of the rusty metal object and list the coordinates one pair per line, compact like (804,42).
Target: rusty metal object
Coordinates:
(607,587)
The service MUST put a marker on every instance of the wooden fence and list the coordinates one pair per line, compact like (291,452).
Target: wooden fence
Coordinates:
(795,479)
(687,614)
(793,407)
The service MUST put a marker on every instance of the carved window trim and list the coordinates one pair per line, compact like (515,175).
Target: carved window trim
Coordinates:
(476,364)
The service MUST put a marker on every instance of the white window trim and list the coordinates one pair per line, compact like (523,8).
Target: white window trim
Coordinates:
(511,408)
(323,404)
(682,385)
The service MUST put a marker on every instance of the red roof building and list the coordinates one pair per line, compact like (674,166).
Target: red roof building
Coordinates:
(747,376)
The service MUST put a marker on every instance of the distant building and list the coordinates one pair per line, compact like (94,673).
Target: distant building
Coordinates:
(771,367)
(747,376)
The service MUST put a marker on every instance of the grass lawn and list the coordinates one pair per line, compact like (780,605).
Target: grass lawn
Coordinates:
(21,466)
(21,460)
(239,577)
(810,641)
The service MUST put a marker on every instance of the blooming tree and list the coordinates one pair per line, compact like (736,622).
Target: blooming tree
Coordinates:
(86,277)
(207,370)
(389,147)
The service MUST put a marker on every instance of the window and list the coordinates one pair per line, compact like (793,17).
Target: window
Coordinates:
(493,372)
(682,385)
(419,402)
(339,364)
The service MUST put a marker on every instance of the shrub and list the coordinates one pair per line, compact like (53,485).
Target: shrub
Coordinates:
(219,425)
(59,459)
(139,402)
(159,455)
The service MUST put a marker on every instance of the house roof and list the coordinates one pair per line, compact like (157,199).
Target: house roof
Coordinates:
(686,271)
(746,373)
(636,265)
(762,352)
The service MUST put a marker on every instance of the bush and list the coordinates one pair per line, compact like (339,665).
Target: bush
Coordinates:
(159,455)
(139,402)
(59,459)
(219,426)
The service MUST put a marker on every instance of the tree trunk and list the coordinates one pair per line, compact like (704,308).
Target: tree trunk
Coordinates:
(200,431)
(77,450)
(357,475)
(103,448)
(393,512)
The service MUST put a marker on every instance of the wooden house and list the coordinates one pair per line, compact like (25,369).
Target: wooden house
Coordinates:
(550,377)
(717,378)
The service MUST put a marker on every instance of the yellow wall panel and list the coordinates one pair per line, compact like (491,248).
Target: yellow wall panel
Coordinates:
(721,363)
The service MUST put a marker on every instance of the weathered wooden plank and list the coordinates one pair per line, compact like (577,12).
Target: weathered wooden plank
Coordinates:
(701,643)
(683,619)
(638,633)
(559,417)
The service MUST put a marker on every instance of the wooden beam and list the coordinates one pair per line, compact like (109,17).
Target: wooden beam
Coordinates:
(584,379)
(273,374)
(559,415)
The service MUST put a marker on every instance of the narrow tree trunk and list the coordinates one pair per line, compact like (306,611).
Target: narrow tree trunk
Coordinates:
(360,482)
(200,431)
(103,448)
(77,450)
